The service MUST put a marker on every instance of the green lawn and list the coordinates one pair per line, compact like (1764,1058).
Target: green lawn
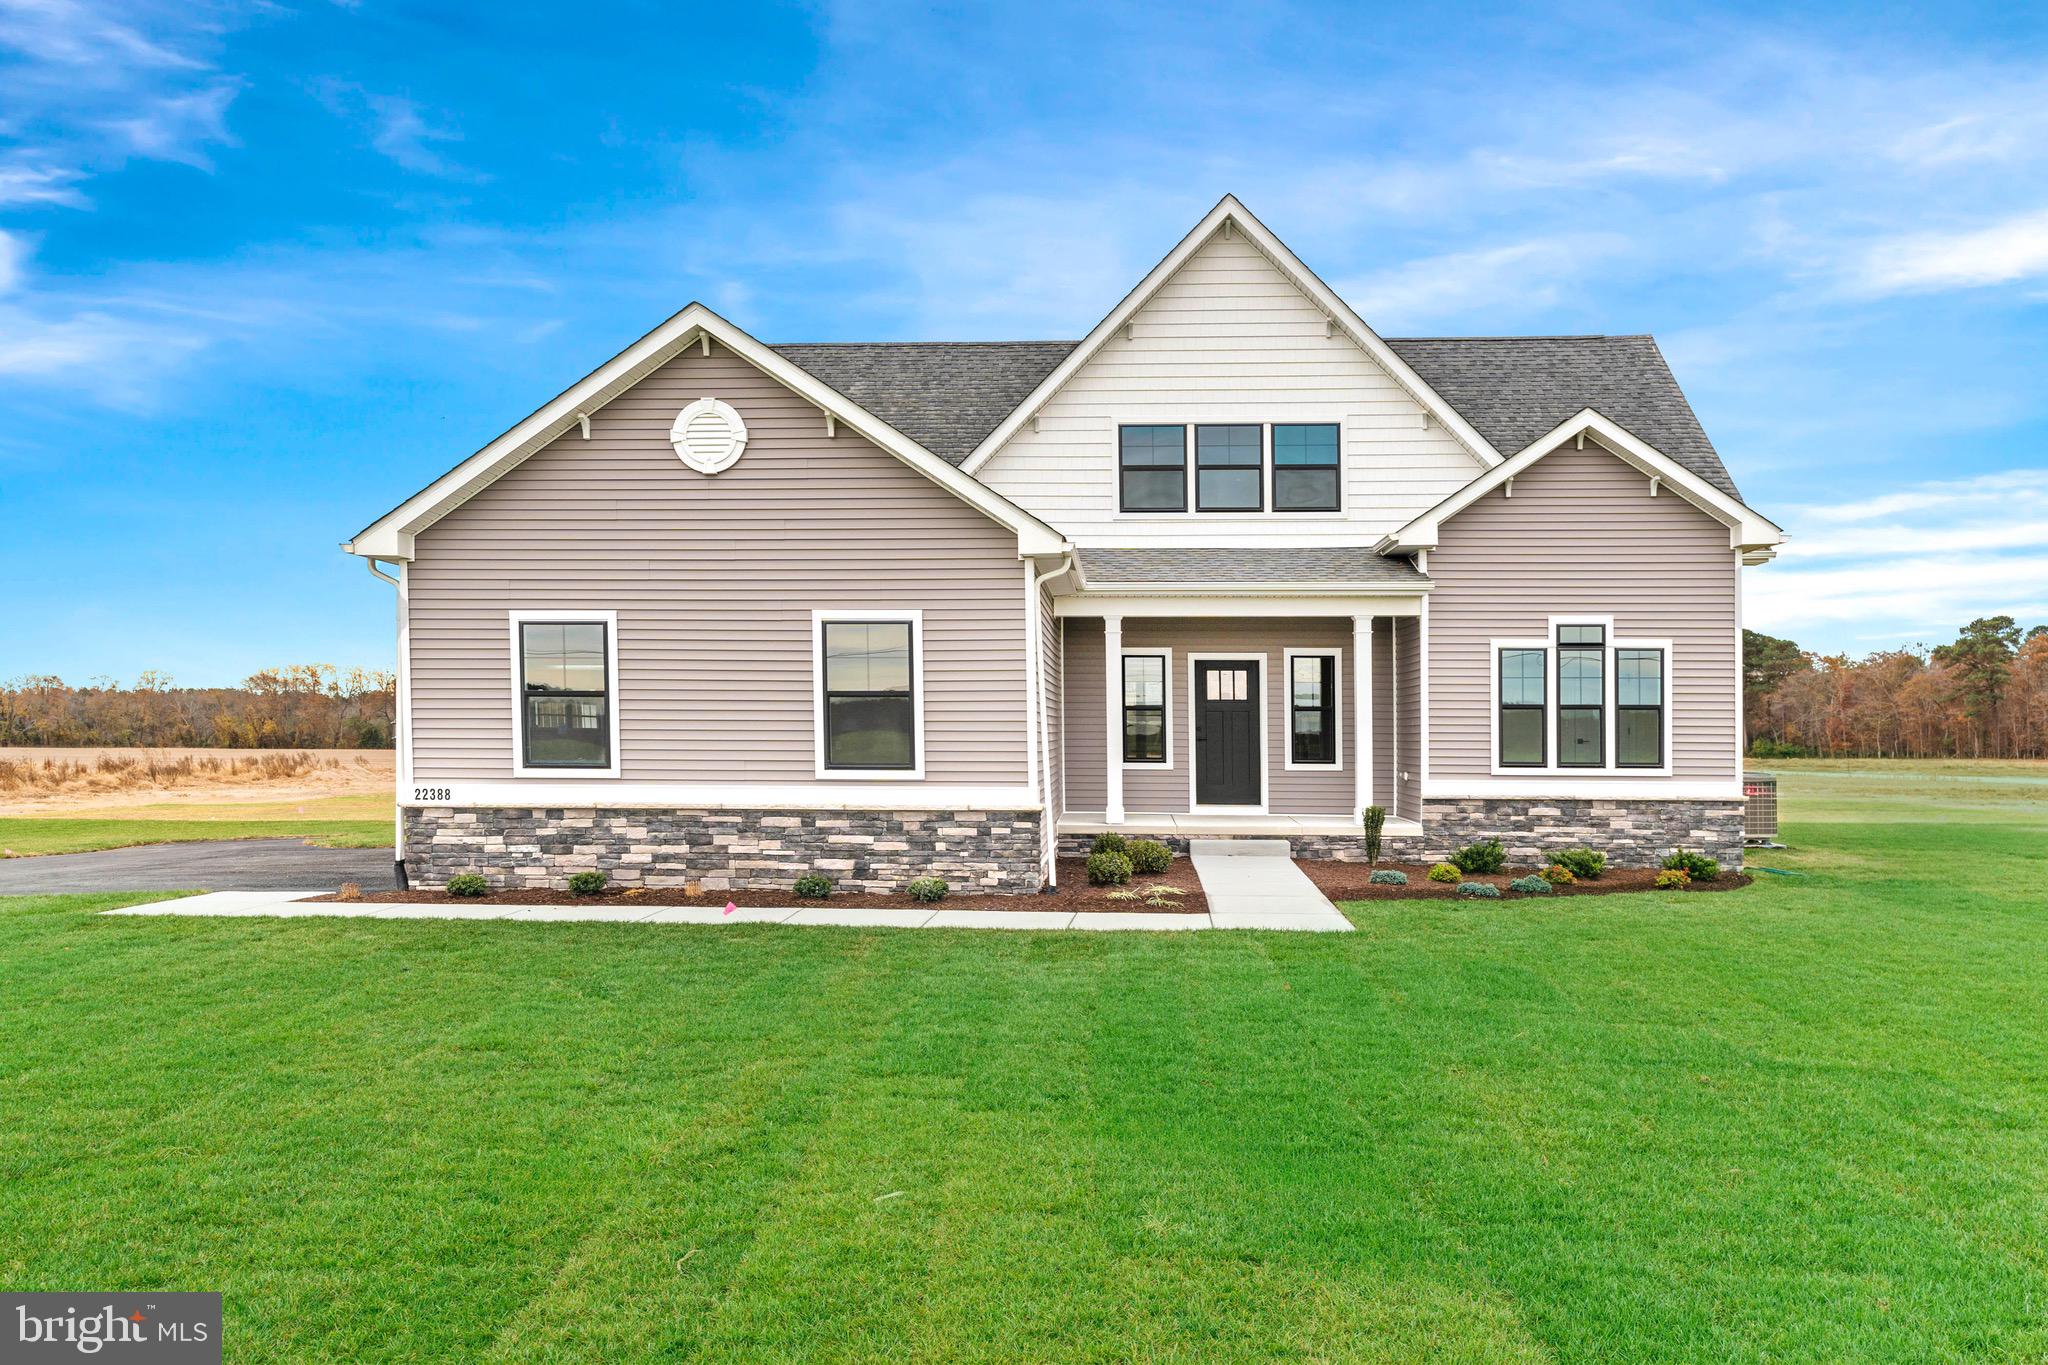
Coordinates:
(330,822)
(1806,1121)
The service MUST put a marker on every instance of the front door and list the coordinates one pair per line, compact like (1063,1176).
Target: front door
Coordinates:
(1227,757)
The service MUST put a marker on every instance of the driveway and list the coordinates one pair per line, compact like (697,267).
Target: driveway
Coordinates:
(226,865)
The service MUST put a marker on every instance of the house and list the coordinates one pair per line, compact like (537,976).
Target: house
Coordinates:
(726,612)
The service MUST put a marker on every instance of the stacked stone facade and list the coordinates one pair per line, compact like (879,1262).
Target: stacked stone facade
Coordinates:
(981,852)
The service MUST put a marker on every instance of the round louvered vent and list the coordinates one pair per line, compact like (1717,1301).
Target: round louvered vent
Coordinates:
(708,435)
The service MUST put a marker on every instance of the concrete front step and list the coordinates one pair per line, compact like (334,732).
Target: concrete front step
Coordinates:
(1240,848)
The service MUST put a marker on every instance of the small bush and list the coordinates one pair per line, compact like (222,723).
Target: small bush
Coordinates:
(1696,866)
(1149,856)
(1443,872)
(1111,842)
(1477,860)
(350,891)
(1585,864)
(1530,886)
(1108,869)
(587,883)
(813,887)
(468,884)
(1673,879)
(1388,876)
(1375,821)
(1557,874)
(927,889)
(1481,890)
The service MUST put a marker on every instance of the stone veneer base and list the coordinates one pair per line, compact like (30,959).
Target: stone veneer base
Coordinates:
(725,850)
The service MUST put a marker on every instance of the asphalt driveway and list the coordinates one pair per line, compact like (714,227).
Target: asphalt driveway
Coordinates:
(226,865)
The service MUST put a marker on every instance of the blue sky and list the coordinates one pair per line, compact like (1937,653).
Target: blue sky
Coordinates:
(266,269)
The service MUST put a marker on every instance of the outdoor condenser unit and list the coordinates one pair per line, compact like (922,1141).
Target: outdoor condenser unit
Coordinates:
(1759,808)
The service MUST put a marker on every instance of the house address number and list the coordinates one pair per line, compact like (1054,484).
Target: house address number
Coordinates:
(433,794)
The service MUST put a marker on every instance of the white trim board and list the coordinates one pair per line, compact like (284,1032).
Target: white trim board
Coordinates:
(1541,788)
(1339,710)
(391,535)
(799,796)
(1152,651)
(915,619)
(520,616)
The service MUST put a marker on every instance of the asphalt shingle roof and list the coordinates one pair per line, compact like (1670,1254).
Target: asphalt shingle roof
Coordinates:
(1176,564)
(948,396)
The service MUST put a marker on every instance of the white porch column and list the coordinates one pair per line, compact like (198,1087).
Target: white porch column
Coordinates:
(1361,708)
(1113,697)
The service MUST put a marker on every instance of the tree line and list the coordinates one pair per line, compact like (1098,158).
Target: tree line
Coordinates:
(1983,696)
(299,706)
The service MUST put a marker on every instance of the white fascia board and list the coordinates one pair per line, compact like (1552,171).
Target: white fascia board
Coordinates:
(1229,210)
(1197,602)
(1747,528)
(390,536)
(1278,589)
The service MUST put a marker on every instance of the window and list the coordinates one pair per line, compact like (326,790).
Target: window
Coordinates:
(1581,696)
(1305,468)
(869,711)
(1639,708)
(1145,708)
(1229,469)
(1522,678)
(565,716)
(1312,710)
(1152,466)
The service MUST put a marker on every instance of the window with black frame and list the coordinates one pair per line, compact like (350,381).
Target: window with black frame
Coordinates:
(1230,468)
(1581,696)
(1152,468)
(1639,708)
(1522,707)
(1312,708)
(1144,708)
(1305,467)
(870,712)
(565,694)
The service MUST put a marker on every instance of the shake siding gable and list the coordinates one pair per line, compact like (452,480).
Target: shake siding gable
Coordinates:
(1230,339)
(714,579)
(1583,536)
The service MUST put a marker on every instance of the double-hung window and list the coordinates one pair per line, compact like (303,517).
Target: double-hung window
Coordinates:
(1145,708)
(1152,468)
(1523,686)
(868,695)
(1305,467)
(1312,735)
(1583,700)
(565,692)
(1230,468)
(1581,696)
(1639,708)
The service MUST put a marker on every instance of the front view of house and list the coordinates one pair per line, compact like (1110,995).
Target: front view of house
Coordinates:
(727,613)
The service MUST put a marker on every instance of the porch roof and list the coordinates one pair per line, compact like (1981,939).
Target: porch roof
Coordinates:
(1178,566)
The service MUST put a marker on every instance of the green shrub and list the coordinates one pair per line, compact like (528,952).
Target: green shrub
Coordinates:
(1585,864)
(1673,879)
(1388,876)
(1482,890)
(927,889)
(1477,860)
(1443,872)
(1149,856)
(1111,842)
(1698,866)
(813,887)
(1108,869)
(1530,886)
(468,884)
(1375,820)
(1557,874)
(587,883)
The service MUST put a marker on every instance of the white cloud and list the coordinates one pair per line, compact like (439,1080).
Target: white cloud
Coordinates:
(1510,280)
(25,184)
(398,129)
(2016,249)
(82,37)
(2000,492)
(13,253)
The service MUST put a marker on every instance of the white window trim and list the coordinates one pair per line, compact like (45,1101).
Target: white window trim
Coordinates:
(1610,691)
(1338,711)
(1156,652)
(1190,473)
(915,618)
(610,620)
(1257,658)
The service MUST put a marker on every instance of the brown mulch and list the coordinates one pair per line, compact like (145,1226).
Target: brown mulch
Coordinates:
(1074,893)
(1347,882)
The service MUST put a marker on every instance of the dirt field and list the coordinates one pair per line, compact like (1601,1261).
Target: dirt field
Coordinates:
(165,781)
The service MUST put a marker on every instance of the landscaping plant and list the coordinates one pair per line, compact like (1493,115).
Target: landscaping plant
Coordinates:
(1443,872)
(1696,866)
(1108,869)
(587,883)
(1479,890)
(927,889)
(1557,874)
(1586,864)
(468,884)
(1149,856)
(1388,876)
(1110,842)
(1531,885)
(1375,820)
(813,887)
(1478,860)
(1673,879)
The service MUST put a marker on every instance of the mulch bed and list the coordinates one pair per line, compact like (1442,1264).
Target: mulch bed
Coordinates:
(1347,882)
(1074,893)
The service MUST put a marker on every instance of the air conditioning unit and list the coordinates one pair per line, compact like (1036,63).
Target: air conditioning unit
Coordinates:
(1759,809)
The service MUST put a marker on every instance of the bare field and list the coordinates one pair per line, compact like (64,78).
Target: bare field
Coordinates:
(75,780)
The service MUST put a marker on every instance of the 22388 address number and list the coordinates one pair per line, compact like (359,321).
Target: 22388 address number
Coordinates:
(433,793)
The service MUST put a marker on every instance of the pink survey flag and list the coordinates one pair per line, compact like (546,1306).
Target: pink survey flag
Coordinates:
(730,907)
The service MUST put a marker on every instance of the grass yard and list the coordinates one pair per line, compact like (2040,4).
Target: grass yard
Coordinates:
(1803,1121)
(330,822)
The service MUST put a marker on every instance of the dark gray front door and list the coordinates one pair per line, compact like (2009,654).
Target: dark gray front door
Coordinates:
(1227,758)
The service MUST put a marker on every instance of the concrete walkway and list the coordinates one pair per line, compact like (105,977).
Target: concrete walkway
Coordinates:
(1254,884)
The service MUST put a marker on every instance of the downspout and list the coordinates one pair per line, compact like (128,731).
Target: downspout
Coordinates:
(401,732)
(1042,731)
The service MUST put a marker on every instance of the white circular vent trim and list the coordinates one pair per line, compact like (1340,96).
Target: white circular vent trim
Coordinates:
(708,436)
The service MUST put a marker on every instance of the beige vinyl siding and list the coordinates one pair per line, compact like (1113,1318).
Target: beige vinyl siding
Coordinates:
(1230,339)
(1582,535)
(1386,746)
(714,579)
(1083,727)
(1407,769)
